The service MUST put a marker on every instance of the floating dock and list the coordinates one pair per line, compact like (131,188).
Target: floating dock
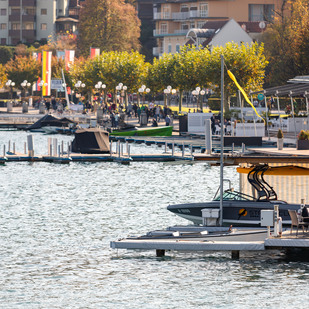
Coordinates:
(205,239)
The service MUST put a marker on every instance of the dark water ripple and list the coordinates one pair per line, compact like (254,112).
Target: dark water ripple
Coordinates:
(56,223)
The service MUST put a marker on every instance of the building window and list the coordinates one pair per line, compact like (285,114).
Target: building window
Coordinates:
(192,25)
(163,29)
(184,8)
(29,26)
(177,48)
(3,41)
(184,26)
(15,26)
(169,48)
(261,12)
(204,9)
(43,11)
(200,24)
(30,11)
(3,26)
(43,26)
(166,11)
(3,12)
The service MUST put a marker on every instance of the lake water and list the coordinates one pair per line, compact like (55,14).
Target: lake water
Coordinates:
(57,221)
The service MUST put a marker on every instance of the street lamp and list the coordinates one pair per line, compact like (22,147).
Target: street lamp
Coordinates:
(125,88)
(199,93)
(80,86)
(10,84)
(25,84)
(41,84)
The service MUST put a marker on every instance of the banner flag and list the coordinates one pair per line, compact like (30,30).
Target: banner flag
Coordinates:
(94,52)
(46,72)
(38,57)
(69,58)
(60,54)
(233,78)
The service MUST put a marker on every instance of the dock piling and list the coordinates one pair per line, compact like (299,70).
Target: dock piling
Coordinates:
(30,145)
(173,149)
(4,150)
(14,149)
(235,255)
(9,149)
(160,253)
(25,148)
(183,149)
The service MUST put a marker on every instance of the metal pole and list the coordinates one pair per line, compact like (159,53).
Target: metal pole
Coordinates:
(292,104)
(266,114)
(307,109)
(280,125)
(221,153)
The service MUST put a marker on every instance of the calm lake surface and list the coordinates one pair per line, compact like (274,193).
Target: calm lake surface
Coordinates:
(56,222)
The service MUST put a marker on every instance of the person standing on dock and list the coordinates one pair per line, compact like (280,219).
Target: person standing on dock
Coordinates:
(167,120)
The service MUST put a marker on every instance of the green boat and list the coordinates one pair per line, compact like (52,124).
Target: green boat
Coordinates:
(150,131)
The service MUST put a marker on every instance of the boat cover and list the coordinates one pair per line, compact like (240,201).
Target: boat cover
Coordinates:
(91,141)
(49,120)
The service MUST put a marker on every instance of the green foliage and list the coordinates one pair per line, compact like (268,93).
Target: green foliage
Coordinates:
(111,68)
(108,25)
(6,54)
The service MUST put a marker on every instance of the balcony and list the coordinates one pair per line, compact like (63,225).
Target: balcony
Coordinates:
(27,34)
(25,18)
(15,3)
(163,15)
(157,51)
(161,32)
(181,15)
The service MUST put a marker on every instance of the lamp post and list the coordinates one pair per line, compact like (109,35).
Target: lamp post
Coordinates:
(80,86)
(198,93)
(41,84)
(25,85)
(125,88)
(10,84)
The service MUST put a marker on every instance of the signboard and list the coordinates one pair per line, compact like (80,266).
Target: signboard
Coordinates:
(260,96)
(57,84)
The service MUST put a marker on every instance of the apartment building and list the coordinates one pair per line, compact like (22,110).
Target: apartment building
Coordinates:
(174,18)
(27,21)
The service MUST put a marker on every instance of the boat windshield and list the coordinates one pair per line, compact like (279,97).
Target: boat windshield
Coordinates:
(229,195)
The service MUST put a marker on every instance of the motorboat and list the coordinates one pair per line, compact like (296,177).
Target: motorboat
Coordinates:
(239,209)
(144,131)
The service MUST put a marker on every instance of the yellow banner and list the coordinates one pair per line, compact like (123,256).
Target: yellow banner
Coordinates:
(231,75)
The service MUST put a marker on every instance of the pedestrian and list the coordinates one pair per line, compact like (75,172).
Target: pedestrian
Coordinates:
(167,120)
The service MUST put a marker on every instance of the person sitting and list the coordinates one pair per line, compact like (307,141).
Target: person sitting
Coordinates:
(154,123)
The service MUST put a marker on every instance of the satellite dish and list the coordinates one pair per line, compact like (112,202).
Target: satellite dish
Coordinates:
(262,25)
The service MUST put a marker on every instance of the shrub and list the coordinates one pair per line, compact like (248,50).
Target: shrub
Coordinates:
(280,134)
(303,135)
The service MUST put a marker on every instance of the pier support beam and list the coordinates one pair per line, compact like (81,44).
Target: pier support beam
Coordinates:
(235,255)
(160,253)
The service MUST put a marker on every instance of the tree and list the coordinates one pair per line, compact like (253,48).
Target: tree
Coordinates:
(287,42)
(23,68)
(3,77)
(111,25)
(246,62)
(111,68)
(6,54)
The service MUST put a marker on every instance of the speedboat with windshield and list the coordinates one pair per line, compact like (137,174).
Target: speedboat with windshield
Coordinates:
(239,209)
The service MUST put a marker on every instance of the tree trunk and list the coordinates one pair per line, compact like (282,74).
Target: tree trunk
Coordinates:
(180,100)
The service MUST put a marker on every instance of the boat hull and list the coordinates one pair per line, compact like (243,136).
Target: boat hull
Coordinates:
(151,131)
(238,213)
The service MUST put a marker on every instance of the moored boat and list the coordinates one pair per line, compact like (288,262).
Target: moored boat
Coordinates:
(147,131)
(240,209)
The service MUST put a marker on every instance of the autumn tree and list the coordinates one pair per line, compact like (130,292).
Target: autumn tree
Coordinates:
(287,42)
(3,77)
(23,68)
(111,25)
